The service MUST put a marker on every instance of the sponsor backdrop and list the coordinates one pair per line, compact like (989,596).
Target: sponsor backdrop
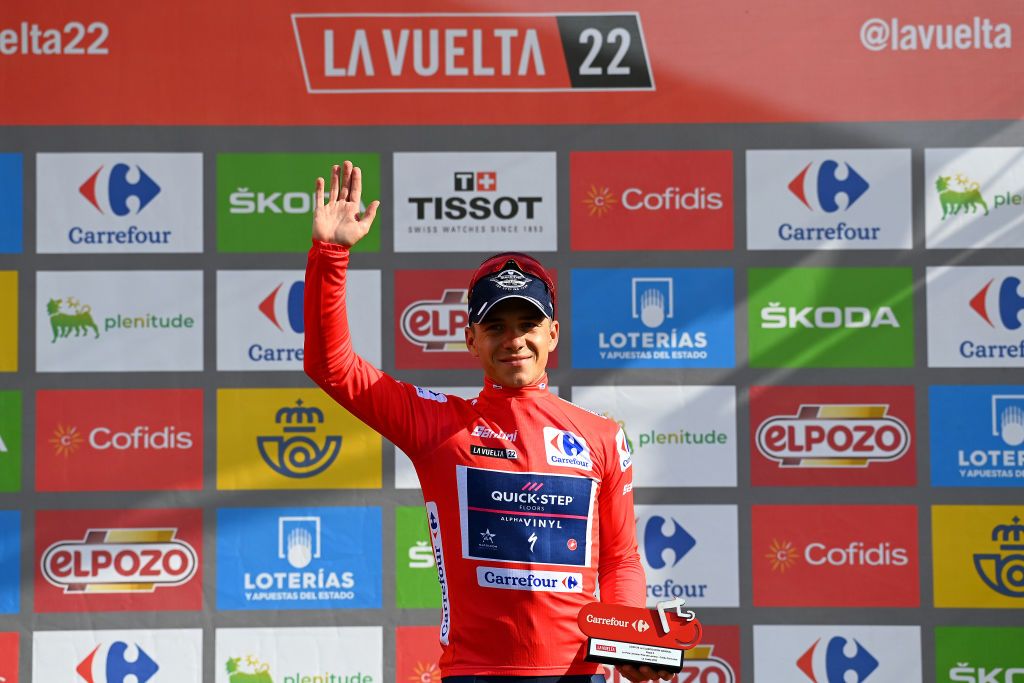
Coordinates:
(788,261)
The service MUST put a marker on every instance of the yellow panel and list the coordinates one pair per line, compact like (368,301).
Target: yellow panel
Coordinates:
(8,321)
(975,562)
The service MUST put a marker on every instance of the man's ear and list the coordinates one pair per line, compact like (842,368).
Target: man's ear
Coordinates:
(471,341)
(554,336)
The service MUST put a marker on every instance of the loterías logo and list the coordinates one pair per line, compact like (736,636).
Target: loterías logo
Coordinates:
(453,52)
(110,191)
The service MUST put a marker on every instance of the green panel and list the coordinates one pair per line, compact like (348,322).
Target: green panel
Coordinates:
(831,317)
(10,441)
(265,201)
(979,654)
(416,582)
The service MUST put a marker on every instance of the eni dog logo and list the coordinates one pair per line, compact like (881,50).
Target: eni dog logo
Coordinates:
(69,318)
(297,453)
(1003,571)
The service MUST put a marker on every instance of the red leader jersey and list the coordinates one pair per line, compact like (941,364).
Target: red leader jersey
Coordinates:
(529,498)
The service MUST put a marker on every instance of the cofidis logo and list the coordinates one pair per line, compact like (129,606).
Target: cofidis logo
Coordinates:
(10,562)
(831,317)
(260,323)
(292,439)
(417,653)
(142,656)
(99,321)
(832,436)
(9,314)
(662,200)
(119,440)
(11,212)
(975,197)
(265,201)
(297,655)
(475,201)
(119,203)
(10,441)
(677,435)
(833,654)
(977,654)
(810,556)
(643,319)
(690,552)
(828,199)
(115,560)
(974,316)
(298,558)
(977,435)
(416,581)
(978,555)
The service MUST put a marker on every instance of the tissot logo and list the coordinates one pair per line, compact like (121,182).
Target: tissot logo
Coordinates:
(466,52)
(809,555)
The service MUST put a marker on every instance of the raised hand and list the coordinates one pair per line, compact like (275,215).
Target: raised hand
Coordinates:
(338,221)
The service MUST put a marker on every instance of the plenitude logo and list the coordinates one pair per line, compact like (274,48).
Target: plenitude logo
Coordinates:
(96,321)
(142,656)
(828,199)
(490,52)
(353,654)
(475,201)
(640,318)
(119,203)
(690,552)
(977,435)
(117,560)
(677,435)
(831,317)
(978,654)
(10,441)
(11,209)
(832,436)
(10,563)
(298,558)
(260,324)
(119,440)
(975,197)
(661,200)
(416,580)
(810,556)
(974,316)
(292,439)
(833,654)
(978,555)
(265,201)
(417,652)
(9,314)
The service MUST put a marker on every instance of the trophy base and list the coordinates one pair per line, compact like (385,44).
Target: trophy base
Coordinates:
(637,654)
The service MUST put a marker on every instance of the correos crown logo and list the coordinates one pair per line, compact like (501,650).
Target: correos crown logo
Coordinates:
(297,454)
(119,190)
(1003,571)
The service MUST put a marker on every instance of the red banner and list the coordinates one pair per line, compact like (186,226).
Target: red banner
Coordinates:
(598,61)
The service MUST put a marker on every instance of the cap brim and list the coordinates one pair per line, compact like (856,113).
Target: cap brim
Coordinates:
(491,304)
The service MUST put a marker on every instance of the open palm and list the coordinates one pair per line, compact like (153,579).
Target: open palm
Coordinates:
(338,221)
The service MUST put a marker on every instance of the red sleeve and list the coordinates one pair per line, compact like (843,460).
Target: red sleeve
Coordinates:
(619,572)
(396,410)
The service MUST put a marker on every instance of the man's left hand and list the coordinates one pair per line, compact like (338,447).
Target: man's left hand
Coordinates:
(643,673)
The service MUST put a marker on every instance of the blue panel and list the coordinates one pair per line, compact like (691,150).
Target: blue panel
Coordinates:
(977,433)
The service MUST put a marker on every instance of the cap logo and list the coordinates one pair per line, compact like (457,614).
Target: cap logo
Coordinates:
(511,279)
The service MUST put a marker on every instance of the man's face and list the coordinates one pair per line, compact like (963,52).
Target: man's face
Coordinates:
(513,342)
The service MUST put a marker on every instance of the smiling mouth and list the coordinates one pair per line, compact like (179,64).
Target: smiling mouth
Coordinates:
(518,360)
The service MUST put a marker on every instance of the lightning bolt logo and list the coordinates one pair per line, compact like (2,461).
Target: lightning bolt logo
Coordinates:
(532,539)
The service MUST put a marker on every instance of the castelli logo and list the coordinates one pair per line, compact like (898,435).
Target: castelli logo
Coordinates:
(120,561)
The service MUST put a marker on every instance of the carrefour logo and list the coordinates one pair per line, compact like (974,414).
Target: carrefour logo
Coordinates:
(293,299)
(824,186)
(974,316)
(833,661)
(678,542)
(109,192)
(1003,306)
(119,662)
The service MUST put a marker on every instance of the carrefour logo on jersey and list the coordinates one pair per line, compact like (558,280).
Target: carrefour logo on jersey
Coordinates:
(292,439)
(833,654)
(119,203)
(974,316)
(656,318)
(260,324)
(265,201)
(11,211)
(475,201)
(828,199)
(141,656)
(975,198)
(978,556)
(831,317)
(95,321)
(977,435)
(298,558)
(690,552)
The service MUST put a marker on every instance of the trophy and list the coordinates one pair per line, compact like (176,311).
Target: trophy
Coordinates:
(640,636)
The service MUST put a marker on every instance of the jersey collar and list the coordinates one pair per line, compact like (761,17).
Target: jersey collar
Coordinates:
(494,390)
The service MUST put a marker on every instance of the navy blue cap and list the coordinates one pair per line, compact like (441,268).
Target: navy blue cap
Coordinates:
(510,281)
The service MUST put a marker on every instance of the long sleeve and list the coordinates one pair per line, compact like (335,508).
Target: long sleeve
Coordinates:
(620,574)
